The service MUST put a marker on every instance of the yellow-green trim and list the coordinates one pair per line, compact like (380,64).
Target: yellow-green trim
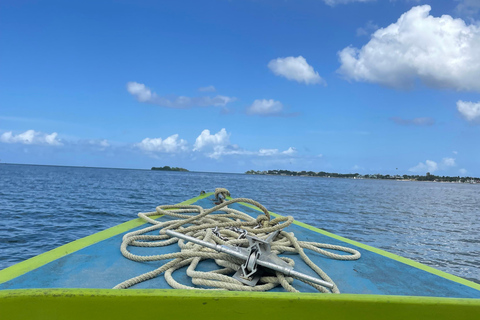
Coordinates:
(196,304)
(42,259)
(49,256)
(387,254)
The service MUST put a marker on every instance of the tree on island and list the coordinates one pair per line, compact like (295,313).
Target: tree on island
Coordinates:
(168,168)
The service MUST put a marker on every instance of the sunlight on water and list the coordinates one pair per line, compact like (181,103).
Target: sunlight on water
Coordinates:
(433,223)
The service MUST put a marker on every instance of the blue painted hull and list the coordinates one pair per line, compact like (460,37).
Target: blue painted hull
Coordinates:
(102,266)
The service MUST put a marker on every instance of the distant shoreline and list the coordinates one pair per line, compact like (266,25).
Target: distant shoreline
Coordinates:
(428,177)
(359,177)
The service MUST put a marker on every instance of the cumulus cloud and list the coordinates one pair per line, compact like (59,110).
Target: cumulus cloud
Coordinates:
(211,145)
(424,121)
(462,171)
(31,137)
(440,51)
(432,166)
(218,145)
(171,144)
(206,139)
(296,69)
(207,89)
(469,110)
(143,94)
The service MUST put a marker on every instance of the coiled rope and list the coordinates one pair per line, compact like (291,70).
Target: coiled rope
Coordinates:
(225,228)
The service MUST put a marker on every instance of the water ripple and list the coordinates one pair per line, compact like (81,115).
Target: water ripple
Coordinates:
(433,223)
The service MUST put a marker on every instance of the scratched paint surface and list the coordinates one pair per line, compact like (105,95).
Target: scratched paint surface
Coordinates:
(102,266)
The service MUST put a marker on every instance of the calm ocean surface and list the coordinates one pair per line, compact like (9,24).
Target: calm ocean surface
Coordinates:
(437,224)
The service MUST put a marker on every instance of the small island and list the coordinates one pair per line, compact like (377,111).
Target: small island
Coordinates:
(167,168)
(405,177)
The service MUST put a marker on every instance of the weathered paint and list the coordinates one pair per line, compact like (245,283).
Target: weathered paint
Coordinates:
(380,252)
(101,304)
(44,258)
(182,304)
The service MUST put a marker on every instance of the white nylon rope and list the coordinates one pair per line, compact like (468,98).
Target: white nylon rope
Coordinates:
(198,222)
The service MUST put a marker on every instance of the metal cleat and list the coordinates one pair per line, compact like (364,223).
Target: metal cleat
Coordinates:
(258,254)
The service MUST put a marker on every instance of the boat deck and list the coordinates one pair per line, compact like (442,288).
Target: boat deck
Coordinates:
(96,262)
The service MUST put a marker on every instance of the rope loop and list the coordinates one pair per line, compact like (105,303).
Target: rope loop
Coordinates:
(223,192)
(262,220)
(224,226)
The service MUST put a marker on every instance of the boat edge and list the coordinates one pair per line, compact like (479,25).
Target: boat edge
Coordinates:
(23,267)
(35,262)
(381,252)
(203,304)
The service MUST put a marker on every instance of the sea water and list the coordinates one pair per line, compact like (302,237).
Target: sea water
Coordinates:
(438,224)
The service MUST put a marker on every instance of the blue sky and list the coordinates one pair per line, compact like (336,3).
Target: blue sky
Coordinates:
(334,85)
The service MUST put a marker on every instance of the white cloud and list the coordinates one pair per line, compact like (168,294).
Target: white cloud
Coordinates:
(169,145)
(205,139)
(140,91)
(290,151)
(428,166)
(295,69)
(432,166)
(207,89)
(51,139)
(462,171)
(424,121)
(267,152)
(31,137)
(228,150)
(218,145)
(448,162)
(469,110)
(144,94)
(440,51)
(275,152)
(265,107)
(220,151)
